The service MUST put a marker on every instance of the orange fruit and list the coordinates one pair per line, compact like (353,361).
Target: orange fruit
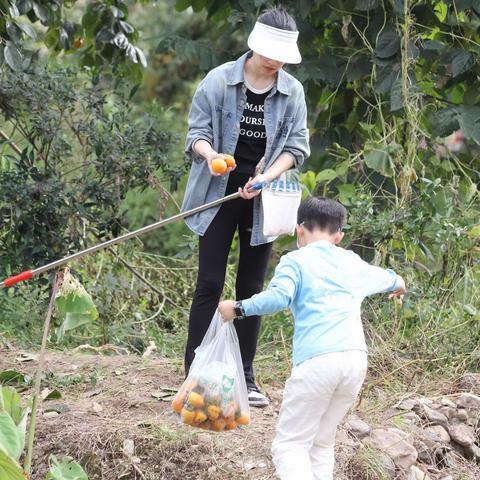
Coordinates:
(231,425)
(205,425)
(230,412)
(230,160)
(195,400)
(190,385)
(200,417)
(78,42)
(213,412)
(188,416)
(243,419)
(218,425)
(219,165)
(177,403)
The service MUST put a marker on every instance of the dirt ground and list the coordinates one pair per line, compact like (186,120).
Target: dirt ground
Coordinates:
(114,418)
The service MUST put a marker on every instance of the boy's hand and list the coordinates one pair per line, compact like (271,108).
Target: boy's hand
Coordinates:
(226,310)
(400,291)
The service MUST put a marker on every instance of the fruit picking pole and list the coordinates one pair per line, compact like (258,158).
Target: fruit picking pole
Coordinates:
(136,233)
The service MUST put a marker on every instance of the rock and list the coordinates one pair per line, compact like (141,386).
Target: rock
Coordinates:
(448,477)
(424,401)
(438,433)
(396,444)
(358,428)
(430,415)
(446,402)
(418,474)
(469,382)
(387,466)
(424,453)
(411,417)
(468,400)
(406,404)
(51,414)
(460,416)
(462,434)
(472,453)
(449,412)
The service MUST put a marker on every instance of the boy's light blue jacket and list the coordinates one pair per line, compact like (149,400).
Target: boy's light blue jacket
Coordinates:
(324,286)
(217,107)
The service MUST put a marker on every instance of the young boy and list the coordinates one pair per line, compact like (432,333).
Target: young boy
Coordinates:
(324,286)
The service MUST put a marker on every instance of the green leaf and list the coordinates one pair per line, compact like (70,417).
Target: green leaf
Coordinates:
(462,61)
(14,32)
(396,96)
(444,122)
(364,5)
(54,395)
(41,12)
(378,159)
(468,119)
(11,402)
(10,469)
(388,45)
(24,6)
(65,469)
(13,57)
(28,30)
(12,377)
(14,12)
(326,175)
(342,168)
(91,19)
(77,303)
(346,193)
(10,438)
(474,231)
(385,78)
(181,5)
(309,180)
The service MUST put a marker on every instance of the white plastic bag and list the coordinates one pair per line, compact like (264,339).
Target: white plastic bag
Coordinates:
(214,395)
(280,199)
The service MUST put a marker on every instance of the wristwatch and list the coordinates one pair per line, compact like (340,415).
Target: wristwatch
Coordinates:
(239,311)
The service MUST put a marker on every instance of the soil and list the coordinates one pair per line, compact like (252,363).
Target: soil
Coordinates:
(114,418)
(110,401)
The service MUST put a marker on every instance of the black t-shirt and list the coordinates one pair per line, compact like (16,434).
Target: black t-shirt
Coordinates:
(253,138)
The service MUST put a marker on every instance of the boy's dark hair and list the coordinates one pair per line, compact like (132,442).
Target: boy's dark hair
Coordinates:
(278,17)
(322,213)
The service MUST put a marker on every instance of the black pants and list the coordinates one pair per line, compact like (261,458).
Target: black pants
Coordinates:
(213,256)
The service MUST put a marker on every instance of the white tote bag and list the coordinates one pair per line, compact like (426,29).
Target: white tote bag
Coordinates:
(280,200)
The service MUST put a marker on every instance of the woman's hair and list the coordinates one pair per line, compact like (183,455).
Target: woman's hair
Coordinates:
(278,17)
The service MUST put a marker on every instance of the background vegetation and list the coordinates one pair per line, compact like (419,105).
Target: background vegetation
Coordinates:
(94,97)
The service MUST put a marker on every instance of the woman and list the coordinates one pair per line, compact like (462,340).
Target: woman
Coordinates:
(256,111)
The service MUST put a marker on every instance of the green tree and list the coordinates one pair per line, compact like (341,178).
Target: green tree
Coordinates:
(97,33)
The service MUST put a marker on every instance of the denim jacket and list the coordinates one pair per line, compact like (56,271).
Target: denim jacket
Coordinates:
(217,107)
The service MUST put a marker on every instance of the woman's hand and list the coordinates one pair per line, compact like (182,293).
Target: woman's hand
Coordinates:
(260,178)
(212,156)
(227,310)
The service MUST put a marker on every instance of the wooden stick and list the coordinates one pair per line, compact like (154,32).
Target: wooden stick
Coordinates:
(12,145)
(38,375)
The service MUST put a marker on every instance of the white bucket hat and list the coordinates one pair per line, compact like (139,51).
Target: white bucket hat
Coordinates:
(274,43)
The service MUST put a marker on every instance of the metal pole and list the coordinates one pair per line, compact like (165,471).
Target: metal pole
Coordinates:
(37,271)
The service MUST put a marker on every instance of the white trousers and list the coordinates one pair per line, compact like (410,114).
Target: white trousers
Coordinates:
(318,394)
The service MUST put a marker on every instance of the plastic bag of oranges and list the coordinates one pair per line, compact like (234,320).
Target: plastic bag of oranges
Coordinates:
(214,395)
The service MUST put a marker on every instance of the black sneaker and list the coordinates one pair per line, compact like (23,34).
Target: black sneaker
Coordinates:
(256,398)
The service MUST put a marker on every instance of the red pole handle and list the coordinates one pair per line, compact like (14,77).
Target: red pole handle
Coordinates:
(8,282)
